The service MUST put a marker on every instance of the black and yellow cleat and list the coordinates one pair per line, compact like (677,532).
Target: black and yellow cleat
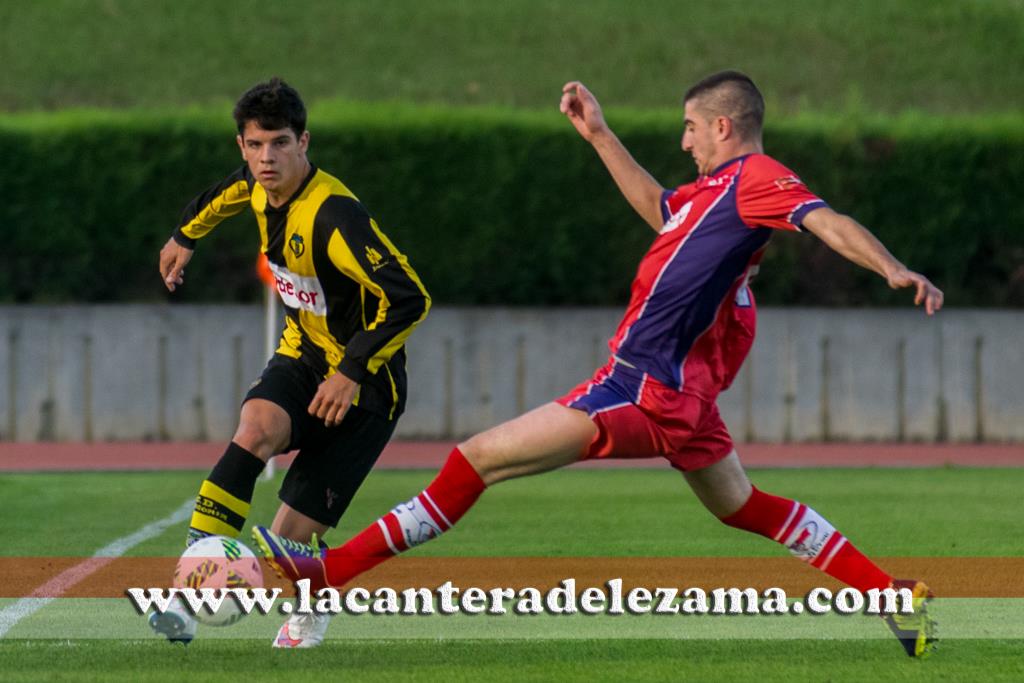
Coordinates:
(916,632)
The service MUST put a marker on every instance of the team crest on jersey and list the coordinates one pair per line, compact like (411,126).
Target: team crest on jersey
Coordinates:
(719,180)
(786,182)
(677,218)
(297,246)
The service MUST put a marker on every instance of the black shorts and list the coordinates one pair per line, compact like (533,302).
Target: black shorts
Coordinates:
(332,461)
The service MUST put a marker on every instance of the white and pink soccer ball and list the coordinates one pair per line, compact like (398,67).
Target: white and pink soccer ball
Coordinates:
(218,562)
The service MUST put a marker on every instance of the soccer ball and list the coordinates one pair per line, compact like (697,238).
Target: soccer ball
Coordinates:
(218,562)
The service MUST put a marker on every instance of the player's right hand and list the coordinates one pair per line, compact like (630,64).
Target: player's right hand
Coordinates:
(583,110)
(333,398)
(173,258)
(924,291)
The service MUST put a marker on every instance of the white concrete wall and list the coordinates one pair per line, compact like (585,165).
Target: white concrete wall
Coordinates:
(151,372)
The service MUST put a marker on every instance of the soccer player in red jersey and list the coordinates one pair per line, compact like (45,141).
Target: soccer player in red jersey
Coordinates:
(688,326)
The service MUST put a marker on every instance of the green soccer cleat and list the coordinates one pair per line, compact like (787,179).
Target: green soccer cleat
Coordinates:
(916,632)
(293,560)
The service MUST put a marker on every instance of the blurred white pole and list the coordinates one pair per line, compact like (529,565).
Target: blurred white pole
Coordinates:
(270,336)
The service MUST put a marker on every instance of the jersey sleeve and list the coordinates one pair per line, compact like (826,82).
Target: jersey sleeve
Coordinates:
(769,195)
(359,250)
(227,198)
(673,200)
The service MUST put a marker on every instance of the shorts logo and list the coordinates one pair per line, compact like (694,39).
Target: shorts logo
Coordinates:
(677,218)
(331,498)
(297,246)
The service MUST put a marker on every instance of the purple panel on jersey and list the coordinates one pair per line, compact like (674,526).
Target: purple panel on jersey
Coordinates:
(666,213)
(690,290)
(621,387)
(797,217)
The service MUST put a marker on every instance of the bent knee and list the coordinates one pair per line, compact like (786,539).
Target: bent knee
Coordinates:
(482,459)
(262,438)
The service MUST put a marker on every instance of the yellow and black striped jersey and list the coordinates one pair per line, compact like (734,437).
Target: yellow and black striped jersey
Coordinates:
(351,298)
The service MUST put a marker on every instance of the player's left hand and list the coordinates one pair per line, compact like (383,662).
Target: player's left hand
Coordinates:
(583,110)
(926,292)
(333,398)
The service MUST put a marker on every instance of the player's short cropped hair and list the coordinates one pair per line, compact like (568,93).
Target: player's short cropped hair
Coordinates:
(273,105)
(732,94)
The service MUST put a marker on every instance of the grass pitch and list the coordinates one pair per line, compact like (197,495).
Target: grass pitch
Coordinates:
(554,660)
(939,56)
(933,512)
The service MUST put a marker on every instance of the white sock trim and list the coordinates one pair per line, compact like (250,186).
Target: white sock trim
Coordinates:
(387,535)
(436,507)
(785,525)
(839,544)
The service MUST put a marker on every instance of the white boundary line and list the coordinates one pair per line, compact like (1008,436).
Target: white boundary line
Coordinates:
(49,591)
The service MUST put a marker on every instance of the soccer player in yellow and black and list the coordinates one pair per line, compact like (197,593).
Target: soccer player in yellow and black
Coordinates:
(337,383)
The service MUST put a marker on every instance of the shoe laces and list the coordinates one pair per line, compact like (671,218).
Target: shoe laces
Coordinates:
(311,550)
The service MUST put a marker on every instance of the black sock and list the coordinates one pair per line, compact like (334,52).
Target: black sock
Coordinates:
(223,501)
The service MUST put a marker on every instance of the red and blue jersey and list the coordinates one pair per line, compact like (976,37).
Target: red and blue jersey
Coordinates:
(691,320)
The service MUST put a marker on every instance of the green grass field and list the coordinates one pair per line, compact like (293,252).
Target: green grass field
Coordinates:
(940,56)
(576,513)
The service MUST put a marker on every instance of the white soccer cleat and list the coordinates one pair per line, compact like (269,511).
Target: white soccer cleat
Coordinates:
(303,630)
(176,624)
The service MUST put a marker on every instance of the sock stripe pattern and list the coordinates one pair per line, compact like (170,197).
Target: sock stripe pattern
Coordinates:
(427,515)
(387,536)
(436,510)
(809,537)
(840,541)
(223,503)
(218,512)
(794,511)
(416,523)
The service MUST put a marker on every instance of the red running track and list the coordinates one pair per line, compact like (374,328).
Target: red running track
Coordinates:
(54,457)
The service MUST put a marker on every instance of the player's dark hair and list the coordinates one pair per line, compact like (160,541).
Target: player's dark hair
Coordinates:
(732,94)
(273,105)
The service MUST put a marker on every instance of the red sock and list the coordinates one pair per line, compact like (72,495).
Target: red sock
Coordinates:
(454,490)
(809,537)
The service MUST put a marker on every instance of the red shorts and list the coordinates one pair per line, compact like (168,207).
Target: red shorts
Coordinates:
(638,417)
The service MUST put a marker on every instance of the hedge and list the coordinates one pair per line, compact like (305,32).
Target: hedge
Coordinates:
(499,206)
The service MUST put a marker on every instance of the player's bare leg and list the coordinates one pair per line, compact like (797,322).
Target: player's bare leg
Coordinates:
(264,428)
(727,493)
(543,439)
(291,523)
(300,630)
(222,505)
(723,487)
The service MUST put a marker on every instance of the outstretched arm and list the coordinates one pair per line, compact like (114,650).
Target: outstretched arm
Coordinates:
(641,190)
(853,241)
(227,198)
